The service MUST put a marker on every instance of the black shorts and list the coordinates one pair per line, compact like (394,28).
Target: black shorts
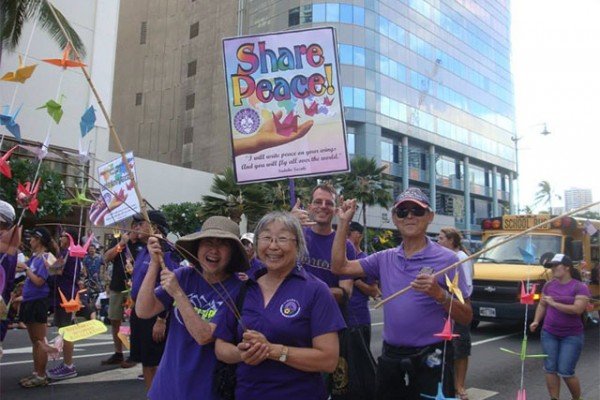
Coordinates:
(34,311)
(143,348)
(62,318)
(462,344)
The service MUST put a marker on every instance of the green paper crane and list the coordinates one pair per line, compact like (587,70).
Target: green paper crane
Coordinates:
(54,108)
(79,198)
(523,355)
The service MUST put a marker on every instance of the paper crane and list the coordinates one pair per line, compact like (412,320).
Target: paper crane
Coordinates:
(439,395)
(327,101)
(454,288)
(76,250)
(312,109)
(521,394)
(527,298)
(88,119)
(446,333)
(523,354)
(528,253)
(116,233)
(79,198)
(53,350)
(27,195)
(21,74)
(54,108)
(288,126)
(72,305)
(8,120)
(124,333)
(65,61)
(4,165)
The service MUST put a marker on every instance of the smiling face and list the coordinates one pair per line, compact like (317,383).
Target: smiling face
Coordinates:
(412,226)
(322,207)
(214,255)
(277,248)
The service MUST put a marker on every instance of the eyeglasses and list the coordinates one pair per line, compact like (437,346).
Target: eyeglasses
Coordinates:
(281,240)
(323,203)
(415,211)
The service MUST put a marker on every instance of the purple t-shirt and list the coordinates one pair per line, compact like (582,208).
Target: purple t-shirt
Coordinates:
(9,266)
(67,281)
(358,311)
(557,322)
(318,261)
(31,291)
(412,318)
(255,266)
(301,309)
(140,267)
(184,361)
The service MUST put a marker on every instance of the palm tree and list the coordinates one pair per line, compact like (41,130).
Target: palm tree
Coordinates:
(366,183)
(544,195)
(15,13)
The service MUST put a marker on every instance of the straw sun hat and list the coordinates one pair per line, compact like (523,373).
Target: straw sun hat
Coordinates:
(220,228)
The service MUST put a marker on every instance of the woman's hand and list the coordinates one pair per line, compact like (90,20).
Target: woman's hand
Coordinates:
(253,354)
(533,326)
(159,329)
(169,283)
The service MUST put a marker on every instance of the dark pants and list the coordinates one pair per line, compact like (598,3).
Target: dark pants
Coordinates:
(403,373)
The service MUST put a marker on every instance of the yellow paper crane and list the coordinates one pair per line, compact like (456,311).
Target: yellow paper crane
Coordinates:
(21,74)
(454,289)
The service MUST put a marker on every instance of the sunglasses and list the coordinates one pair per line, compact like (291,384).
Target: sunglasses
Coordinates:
(415,211)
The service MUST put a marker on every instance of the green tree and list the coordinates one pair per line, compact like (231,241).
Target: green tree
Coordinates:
(367,184)
(14,14)
(545,195)
(183,218)
(588,214)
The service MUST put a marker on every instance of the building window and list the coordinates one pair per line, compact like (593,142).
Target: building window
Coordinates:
(190,101)
(192,68)
(300,15)
(188,135)
(138,99)
(194,30)
(143,32)
(294,16)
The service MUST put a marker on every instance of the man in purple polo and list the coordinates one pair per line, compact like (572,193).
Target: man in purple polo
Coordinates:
(411,360)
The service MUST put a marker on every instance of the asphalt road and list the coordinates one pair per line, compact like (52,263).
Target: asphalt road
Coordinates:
(493,374)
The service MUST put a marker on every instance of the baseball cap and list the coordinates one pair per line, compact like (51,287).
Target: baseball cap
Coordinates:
(249,236)
(43,234)
(355,226)
(413,195)
(7,213)
(155,217)
(559,259)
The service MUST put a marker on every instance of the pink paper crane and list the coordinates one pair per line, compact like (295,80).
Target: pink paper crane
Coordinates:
(446,333)
(327,101)
(312,109)
(65,61)
(76,250)
(27,197)
(521,394)
(527,298)
(4,165)
(288,126)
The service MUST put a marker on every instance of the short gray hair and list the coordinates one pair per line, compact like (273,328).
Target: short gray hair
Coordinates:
(290,223)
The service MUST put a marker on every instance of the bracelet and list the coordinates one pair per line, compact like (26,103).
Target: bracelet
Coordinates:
(447,298)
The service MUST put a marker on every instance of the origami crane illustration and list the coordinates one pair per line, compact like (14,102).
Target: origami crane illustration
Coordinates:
(8,120)
(312,109)
(521,394)
(288,126)
(27,195)
(21,74)
(439,395)
(54,108)
(76,250)
(523,354)
(80,198)
(527,297)
(72,305)
(454,288)
(327,101)
(4,165)
(64,62)
(88,119)
(446,333)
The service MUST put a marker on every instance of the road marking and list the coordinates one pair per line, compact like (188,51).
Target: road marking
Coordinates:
(493,339)
(74,357)
(23,350)
(117,374)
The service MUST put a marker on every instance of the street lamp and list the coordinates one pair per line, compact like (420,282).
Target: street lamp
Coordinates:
(515,139)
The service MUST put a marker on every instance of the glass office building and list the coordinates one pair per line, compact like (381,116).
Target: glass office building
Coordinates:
(427,88)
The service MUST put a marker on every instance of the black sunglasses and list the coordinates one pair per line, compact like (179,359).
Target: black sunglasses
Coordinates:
(416,211)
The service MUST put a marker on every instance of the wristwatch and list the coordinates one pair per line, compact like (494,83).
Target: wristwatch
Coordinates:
(284,353)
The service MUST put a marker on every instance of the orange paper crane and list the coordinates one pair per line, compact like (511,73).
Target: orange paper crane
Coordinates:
(21,74)
(72,305)
(65,61)
(4,165)
(27,197)
(446,333)
(527,297)
(76,250)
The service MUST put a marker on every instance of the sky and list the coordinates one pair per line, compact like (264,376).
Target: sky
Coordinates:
(556,70)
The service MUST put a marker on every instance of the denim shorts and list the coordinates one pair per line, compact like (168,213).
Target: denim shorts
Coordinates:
(563,353)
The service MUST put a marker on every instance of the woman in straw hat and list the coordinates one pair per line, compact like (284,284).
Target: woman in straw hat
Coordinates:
(292,320)
(196,297)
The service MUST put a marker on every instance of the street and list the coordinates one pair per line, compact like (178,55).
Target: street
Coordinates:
(493,374)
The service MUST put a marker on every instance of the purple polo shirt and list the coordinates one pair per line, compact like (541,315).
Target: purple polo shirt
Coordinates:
(318,261)
(412,318)
(557,322)
(301,309)
(31,291)
(140,267)
(358,310)
(184,361)
(255,266)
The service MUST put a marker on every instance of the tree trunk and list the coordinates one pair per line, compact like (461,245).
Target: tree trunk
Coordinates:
(365,245)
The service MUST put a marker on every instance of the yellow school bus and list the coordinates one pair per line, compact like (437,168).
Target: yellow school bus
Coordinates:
(499,272)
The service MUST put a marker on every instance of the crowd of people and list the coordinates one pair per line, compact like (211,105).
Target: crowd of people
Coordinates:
(263,314)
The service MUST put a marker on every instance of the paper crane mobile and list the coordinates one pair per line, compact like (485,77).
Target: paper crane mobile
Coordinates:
(21,74)
(446,333)
(54,108)
(439,395)
(76,250)
(521,394)
(4,165)
(527,297)
(523,354)
(80,198)
(27,195)
(9,121)
(88,119)
(64,62)
(72,305)
(454,288)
